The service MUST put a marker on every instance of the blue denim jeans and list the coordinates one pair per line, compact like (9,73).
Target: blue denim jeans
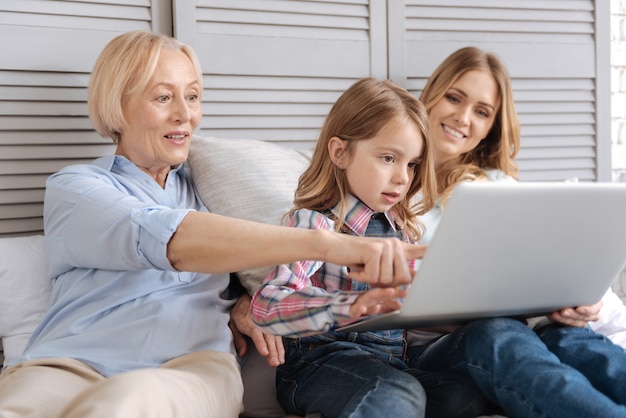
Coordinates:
(449,393)
(556,372)
(344,378)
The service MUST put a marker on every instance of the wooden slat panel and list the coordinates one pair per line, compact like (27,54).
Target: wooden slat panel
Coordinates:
(560,96)
(13,196)
(22,181)
(273,68)
(54,49)
(44,123)
(34,78)
(563,5)
(479,15)
(293,60)
(22,226)
(529,108)
(524,59)
(551,153)
(26,210)
(53,151)
(26,137)
(261,122)
(43,113)
(78,15)
(559,141)
(251,82)
(553,72)
(291,137)
(259,109)
(268,109)
(498,26)
(15,108)
(270,92)
(35,92)
(560,130)
(556,164)
(331,7)
(38,166)
(72,22)
(553,117)
(358,19)
(278,57)
(551,174)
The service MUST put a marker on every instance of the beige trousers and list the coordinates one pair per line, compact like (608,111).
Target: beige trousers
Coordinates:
(199,385)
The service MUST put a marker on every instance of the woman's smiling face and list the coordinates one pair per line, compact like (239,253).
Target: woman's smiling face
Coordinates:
(161,120)
(464,115)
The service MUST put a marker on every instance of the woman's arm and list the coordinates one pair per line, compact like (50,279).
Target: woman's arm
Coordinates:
(210,243)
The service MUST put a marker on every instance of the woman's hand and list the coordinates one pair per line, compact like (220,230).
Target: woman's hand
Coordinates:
(269,346)
(375,301)
(578,316)
(382,262)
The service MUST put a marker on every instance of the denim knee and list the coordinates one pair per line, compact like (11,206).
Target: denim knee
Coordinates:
(451,394)
(556,335)
(491,333)
(397,395)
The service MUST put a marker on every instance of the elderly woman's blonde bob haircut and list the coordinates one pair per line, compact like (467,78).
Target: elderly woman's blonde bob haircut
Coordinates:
(124,68)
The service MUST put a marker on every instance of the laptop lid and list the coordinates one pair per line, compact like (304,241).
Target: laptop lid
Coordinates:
(515,249)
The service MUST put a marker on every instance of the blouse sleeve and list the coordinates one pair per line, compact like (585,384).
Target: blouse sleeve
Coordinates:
(93,221)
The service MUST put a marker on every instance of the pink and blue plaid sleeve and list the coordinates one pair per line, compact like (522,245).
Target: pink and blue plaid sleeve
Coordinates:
(306,297)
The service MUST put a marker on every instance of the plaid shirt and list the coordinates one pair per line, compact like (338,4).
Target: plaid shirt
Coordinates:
(312,297)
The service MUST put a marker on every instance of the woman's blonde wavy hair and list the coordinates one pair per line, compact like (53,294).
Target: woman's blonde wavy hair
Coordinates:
(501,145)
(359,113)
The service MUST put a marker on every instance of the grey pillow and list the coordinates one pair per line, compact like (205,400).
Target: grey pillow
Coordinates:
(247,179)
(24,290)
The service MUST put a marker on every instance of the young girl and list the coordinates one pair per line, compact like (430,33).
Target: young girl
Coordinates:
(560,369)
(372,156)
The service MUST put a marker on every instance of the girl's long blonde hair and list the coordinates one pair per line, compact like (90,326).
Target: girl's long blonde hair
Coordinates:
(501,145)
(359,113)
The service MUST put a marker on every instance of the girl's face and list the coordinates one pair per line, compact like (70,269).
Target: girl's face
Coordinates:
(381,169)
(161,119)
(464,115)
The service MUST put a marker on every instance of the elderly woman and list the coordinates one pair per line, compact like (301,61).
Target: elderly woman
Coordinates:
(136,325)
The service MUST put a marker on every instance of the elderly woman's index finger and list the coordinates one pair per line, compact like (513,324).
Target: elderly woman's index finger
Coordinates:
(412,251)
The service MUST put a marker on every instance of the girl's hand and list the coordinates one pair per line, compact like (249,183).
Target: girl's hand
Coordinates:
(578,316)
(375,301)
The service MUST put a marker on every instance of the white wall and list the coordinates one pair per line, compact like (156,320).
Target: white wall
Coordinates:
(618,89)
(618,105)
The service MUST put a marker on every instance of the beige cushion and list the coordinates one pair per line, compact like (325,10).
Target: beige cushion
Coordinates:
(247,179)
(24,290)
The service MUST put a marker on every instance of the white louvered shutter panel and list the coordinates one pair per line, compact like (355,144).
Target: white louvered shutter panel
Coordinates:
(557,53)
(48,49)
(272,69)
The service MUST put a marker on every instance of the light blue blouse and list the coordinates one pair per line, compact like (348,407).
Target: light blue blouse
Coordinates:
(117,303)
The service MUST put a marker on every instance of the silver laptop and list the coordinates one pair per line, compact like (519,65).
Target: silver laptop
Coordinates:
(515,249)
